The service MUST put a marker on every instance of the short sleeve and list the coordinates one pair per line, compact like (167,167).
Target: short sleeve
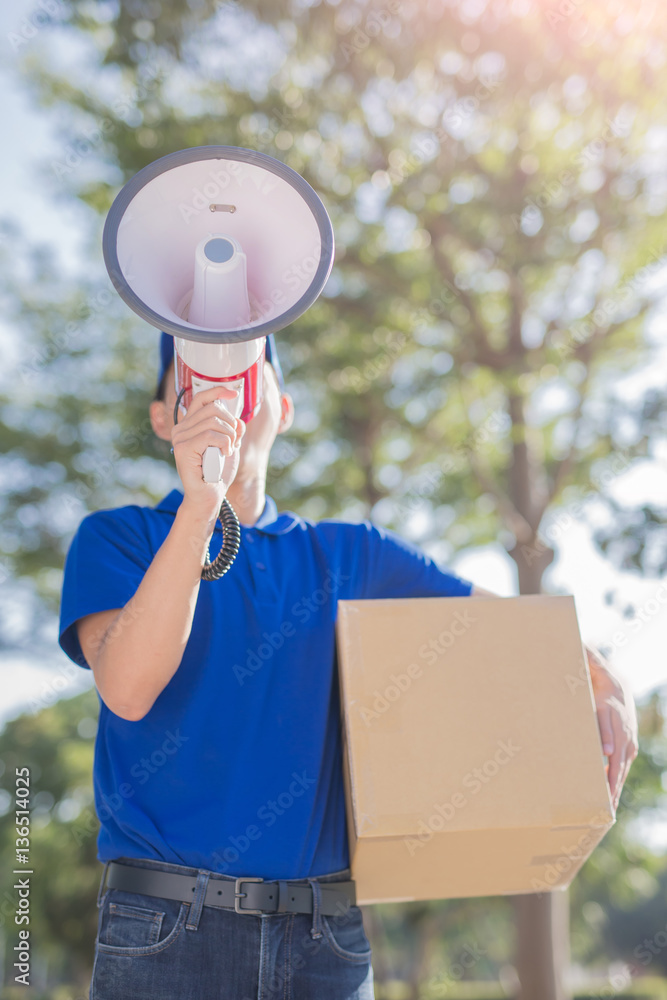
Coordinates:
(397,568)
(105,564)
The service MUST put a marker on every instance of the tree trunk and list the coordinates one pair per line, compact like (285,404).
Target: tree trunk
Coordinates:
(543,951)
(542,919)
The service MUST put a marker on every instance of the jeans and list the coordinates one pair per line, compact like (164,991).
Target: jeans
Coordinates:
(150,948)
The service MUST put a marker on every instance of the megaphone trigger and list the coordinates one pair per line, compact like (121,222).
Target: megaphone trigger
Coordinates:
(212,465)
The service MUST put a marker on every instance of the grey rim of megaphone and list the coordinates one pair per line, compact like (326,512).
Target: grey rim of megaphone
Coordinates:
(153,170)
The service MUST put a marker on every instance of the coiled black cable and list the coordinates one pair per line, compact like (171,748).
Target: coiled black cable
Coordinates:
(231,542)
(231,533)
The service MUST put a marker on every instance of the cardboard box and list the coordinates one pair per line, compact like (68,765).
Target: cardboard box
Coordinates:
(472,756)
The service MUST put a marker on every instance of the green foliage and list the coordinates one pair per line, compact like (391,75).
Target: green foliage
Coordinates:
(495,239)
(493,232)
(56,744)
(617,899)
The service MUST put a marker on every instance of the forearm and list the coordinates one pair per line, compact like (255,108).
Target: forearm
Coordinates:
(144,645)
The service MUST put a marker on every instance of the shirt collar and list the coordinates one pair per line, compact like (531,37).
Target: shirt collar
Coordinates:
(269,521)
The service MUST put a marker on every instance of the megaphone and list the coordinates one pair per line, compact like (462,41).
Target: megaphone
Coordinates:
(218,246)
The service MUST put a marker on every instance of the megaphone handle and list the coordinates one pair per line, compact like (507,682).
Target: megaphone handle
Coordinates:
(212,464)
(212,460)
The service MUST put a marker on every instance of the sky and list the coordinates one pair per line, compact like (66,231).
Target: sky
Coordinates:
(579,569)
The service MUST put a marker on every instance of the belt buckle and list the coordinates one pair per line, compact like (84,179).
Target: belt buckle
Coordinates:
(239,895)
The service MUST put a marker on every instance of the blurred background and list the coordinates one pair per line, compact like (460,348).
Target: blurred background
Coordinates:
(485,373)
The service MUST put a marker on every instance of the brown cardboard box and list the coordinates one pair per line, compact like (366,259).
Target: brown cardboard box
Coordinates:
(472,754)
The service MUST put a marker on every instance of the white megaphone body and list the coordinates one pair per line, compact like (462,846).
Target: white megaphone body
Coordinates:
(219,297)
(218,246)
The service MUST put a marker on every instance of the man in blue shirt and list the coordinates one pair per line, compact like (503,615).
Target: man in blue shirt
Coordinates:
(218,759)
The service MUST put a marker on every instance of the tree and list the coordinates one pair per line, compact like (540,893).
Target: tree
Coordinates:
(496,223)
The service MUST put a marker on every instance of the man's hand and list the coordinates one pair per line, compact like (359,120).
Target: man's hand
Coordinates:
(208,423)
(617,719)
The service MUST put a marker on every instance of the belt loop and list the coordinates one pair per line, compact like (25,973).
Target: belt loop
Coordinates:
(283,892)
(315,931)
(198,900)
(99,891)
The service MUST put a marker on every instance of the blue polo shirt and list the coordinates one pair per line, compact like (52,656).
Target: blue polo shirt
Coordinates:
(237,767)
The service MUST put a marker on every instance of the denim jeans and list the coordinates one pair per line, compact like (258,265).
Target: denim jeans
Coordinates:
(150,948)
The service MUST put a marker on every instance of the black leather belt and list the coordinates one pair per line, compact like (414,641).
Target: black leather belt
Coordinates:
(258,896)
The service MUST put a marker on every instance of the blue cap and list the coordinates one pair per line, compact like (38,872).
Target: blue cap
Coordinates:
(167,356)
